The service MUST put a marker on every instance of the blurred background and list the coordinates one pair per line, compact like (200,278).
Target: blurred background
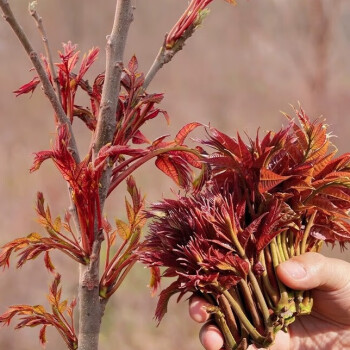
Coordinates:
(245,65)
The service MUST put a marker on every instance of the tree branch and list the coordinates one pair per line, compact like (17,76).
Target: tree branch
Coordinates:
(114,65)
(39,22)
(106,124)
(48,89)
(165,55)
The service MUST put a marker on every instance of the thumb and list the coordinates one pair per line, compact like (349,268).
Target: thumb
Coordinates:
(313,270)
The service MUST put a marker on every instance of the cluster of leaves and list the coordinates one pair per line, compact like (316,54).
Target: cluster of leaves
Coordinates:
(295,167)
(289,183)
(60,317)
(186,240)
(135,108)
(129,149)
(69,82)
(117,267)
(59,236)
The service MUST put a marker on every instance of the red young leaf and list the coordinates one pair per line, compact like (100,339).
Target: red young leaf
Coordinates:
(123,229)
(87,61)
(155,279)
(165,164)
(139,138)
(48,263)
(269,180)
(249,231)
(189,20)
(133,64)
(165,295)
(183,133)
(166,115)
(322,163)
(42,335)
(158,142)
(225,141)
(244,152)
(86,116)
(326,206)
(40,157)
(29,87)
(151,98)
(190,158)
(336,192)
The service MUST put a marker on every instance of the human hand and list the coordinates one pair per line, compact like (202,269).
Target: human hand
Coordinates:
(328,325)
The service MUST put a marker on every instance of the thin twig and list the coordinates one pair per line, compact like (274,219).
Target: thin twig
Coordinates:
(165,55)
(39,22)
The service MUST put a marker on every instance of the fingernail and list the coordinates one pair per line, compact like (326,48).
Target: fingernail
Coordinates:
(293,269)
(211,338)
(198,311)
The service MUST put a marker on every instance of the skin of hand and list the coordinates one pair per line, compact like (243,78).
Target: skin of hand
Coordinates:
(328,325)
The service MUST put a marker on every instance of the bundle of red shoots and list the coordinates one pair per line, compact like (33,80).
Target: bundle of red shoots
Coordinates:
(262,203)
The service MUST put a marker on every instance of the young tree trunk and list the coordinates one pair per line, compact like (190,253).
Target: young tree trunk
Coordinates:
(90,305)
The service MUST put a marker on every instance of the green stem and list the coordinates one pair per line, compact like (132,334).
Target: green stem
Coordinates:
(280,248)
(256,336)
(250,305)
(236,296)
(291,244)
(318,246)
(276,262)
(219,316)
(254,283)
(307,232)
(284,244)
(261,299)
(229,316)
(271,291)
